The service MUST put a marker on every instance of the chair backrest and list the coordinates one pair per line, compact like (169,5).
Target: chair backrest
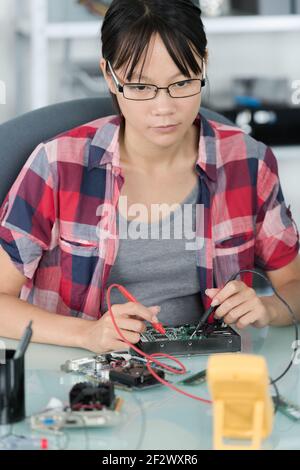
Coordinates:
(21,135)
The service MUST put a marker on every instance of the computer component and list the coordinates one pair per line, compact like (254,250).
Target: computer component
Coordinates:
(56,420)
(76,365)
(213,338)
(91,405)
(96,367)
(287,408)
(195,379)
(124,370)
(87,396)
(134,375)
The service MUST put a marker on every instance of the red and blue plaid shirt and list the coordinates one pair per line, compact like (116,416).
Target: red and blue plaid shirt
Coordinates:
(58,222)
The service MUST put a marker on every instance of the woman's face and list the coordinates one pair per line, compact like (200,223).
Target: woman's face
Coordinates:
(143,117)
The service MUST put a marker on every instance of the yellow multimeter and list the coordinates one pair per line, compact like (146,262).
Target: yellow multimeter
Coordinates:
(242,406)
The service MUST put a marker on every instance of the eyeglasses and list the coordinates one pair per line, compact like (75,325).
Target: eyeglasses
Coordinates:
(145,91)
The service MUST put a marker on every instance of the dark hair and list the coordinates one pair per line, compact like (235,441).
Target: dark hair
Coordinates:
(129,25)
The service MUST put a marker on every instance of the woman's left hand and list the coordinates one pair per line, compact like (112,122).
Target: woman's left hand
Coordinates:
(240,304)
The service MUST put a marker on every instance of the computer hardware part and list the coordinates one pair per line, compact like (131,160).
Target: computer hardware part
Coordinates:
(95,367)
(195,379)
(87,395)
(91,405)
(125,371)
(75,365)
(287,408)
(56,420)
(134,375)
(214,338)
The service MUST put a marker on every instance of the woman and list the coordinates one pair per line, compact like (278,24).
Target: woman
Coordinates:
(62,221)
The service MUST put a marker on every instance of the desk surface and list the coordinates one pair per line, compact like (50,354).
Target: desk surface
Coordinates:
(159,418)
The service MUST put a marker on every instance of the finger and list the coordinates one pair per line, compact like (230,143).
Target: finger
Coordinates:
(212,292)
(251,318)
(232,288)
(136,309)
(154,309)
(234,315)
(230,304)
(130,324)
(256,318)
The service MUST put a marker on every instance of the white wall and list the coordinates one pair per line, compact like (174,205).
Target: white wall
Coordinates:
(7,57)
(267,55)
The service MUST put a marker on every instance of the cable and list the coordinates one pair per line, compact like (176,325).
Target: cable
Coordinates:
(253,271)
(276,395)
(151,357)
(203,320)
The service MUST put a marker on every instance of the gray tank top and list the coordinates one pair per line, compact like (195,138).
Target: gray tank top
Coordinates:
(160,270)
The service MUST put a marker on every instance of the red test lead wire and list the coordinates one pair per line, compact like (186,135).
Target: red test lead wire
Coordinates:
(157,326)
(151,357)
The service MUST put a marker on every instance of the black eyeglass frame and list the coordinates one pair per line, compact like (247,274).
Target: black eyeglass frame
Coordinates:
(121,87)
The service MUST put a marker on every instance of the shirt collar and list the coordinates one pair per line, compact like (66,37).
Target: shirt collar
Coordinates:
(104,148)
(207,151)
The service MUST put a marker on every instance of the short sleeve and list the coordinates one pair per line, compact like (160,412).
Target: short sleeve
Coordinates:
(277,237)
(27,214)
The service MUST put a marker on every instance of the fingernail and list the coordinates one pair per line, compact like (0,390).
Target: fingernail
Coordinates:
(215,302)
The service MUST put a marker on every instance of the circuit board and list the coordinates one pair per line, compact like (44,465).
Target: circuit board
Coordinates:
(215,338)
(125,371)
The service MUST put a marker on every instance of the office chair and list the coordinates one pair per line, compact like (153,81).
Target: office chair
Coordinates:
(20,136)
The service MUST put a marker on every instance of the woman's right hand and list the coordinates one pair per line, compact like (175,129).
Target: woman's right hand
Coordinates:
(100,336)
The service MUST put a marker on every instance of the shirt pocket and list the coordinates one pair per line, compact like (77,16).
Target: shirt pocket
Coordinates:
(78,246)
(235,242)
(233,252)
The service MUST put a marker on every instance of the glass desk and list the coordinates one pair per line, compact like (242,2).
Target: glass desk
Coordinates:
(158,418)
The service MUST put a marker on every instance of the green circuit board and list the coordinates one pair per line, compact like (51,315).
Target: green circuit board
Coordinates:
(184,333)
(186,339)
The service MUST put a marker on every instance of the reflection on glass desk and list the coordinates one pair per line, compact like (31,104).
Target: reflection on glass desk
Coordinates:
(159,418)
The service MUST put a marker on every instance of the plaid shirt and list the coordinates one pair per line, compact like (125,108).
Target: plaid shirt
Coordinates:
(58,222)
